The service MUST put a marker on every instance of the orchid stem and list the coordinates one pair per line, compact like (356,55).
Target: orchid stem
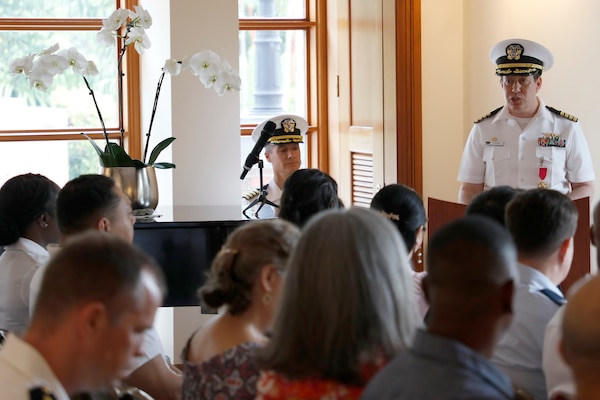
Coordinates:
(99,113)
(154,106)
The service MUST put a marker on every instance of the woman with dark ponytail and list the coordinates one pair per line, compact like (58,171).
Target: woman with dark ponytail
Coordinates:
(27,225)
(244,284)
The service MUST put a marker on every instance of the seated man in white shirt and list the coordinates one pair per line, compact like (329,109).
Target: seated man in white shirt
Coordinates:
(94,202)
(87,327)
(542,223)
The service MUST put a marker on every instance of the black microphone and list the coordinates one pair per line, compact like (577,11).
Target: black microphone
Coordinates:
(252,158)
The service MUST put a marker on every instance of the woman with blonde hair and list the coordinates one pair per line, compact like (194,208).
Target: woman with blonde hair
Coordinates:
(347,308)
(244,281)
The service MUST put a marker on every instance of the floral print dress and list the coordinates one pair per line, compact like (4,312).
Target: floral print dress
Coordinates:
(230,375)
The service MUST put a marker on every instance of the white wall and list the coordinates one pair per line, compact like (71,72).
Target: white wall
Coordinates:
(459,84)
(207,148)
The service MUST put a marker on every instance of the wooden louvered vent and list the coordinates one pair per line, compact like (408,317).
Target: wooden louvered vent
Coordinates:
(362,179)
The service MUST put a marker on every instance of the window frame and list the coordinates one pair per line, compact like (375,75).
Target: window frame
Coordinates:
(129,134)
(314,25)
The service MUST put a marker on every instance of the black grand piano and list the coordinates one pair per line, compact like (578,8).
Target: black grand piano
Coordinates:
(184,240)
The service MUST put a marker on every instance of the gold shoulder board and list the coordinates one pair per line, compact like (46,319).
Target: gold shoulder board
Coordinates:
(490,114)
(563,114)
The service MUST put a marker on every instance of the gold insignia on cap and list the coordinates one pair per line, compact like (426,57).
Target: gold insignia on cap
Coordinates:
(288,125)
(514,51)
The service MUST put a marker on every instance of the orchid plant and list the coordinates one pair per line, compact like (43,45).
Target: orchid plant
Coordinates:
(129,26)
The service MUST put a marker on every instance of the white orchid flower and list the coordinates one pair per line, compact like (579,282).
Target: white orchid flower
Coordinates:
(227,81)
(21,65)
(141,16)
(172,66)
(203,61)
(209,76)
(50,50)
(140,40)
(117,19)
(90,69)
(40,79)
(105,37)
(74,58)
(52,63)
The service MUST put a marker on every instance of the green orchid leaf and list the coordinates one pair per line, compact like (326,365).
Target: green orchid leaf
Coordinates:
(96,147)
(120,157)
(163,165)
(138,164)
(158,149)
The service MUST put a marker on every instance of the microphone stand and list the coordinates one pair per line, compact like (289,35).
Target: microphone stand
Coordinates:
(262,196)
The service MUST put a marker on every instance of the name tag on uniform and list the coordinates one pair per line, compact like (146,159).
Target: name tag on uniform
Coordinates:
(494,142)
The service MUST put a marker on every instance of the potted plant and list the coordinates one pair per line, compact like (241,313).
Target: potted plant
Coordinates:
(129,26)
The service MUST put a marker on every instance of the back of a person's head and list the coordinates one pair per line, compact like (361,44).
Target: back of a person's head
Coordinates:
(466,260)
(348,296)
(236,268)
(581,327)
(92,267)
(403,206)
(540,220)
(492,202)
(305,193)
(24,198)
(83,200)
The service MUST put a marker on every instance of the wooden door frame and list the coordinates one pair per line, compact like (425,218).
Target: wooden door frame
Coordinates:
(409,144)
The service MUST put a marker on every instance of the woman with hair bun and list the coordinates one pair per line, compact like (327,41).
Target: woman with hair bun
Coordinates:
(403,206)
(244,282)
(27,225)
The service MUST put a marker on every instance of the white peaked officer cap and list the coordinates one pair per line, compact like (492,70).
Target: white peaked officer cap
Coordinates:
(289,129)
(520,57)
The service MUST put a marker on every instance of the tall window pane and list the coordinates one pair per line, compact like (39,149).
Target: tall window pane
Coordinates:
(67,103)
(274,74)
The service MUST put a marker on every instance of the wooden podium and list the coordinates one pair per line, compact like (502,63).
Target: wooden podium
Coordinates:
(440,212)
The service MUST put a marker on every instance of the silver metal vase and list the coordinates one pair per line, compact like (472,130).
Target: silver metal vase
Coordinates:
(138,184)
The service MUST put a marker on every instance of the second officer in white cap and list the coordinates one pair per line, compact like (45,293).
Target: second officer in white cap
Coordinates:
(525,143)
(283,152)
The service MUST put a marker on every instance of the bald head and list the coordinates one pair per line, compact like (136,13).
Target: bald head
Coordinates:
(470,253)
(581,325)
(469,284)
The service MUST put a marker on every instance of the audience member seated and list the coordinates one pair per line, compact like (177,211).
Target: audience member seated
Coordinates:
(580,346)
(27,225)
(347,308)
(469,285)
(542,224)
(559,378)
(492,202)
(404,208)
(94,202)
(245,278)
(307,192)
(86,327)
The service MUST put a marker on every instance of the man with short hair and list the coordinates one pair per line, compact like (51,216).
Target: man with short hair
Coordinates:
(95,202)
(580,346)
(525,144)
(283,152)
(86,327)
(469,287)
(542,224)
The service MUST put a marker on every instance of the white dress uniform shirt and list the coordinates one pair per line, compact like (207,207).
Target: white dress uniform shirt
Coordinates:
(18,264)
(498,152)
(151,345)
(23,368)
(519,351)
